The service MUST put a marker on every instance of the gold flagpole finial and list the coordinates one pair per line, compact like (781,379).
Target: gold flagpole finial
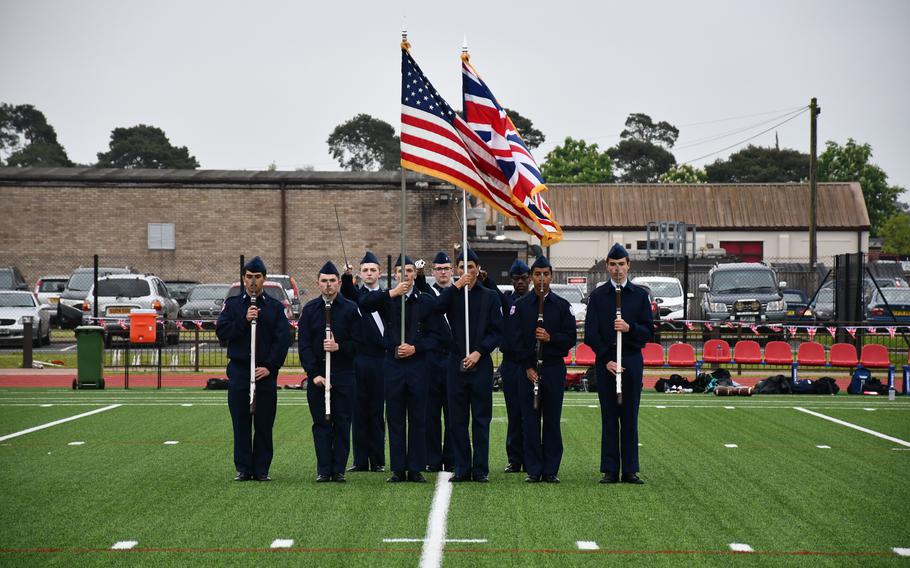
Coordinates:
(405,44)
(464,50)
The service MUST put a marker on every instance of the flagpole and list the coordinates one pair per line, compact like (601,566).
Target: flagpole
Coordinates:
(464,235)
(404,42)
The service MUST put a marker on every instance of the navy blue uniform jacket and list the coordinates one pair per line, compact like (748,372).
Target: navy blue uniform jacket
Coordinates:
(521,323)
(636,311)
(423,328)
(371,342)
(273,331)
(311,329)
(485,318)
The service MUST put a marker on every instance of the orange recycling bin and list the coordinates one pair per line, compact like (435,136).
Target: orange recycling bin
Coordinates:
(142,326)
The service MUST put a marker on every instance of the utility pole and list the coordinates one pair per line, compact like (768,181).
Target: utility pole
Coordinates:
(814,111)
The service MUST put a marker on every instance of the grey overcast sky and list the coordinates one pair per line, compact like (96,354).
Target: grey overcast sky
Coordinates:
(245,84)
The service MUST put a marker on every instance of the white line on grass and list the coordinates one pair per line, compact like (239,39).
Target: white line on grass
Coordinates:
(282,543)
(431,553)
(740,547)
(901,551)
(46,405)
(171,443)
(55,422)
(855,427)
(462,540)
(587,545)
(730,446)
(124,544)
(75,443)
(823,447)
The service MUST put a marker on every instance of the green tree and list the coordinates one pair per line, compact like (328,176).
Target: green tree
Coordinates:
(639,126)
(896,234)
(576,161)
(755,164)
(684,173)
(144,146)
(638,161)
(530,135)
(26,139)
(365,143)
(850,162)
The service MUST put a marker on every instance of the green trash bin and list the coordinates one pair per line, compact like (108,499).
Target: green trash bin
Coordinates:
(89,357)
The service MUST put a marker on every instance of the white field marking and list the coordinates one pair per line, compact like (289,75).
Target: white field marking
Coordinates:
(823,447)
(855,427)
(70,348)
(76,444)
(869,409)
(730,407)
(462,540)
(730,446)
(186,404)
(659,406)
(55,422)
(901,551)
(282,543)
(46,405)
(740,547)
(171,443)
(124,544)
(431,552)
(587,545)
(593,406)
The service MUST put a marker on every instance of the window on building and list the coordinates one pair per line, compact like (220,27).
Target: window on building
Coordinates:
(161,236)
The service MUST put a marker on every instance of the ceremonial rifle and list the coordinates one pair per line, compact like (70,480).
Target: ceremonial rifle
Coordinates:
(328,362)
(253,357)
(539,346)
(618,347)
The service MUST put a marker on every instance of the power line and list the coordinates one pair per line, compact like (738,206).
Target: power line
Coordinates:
(785,111)
(713,137)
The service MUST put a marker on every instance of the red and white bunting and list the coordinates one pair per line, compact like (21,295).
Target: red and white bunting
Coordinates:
(891,331)
(180,325)
(198,324)
(832,331)
(792,330)
(708,326)
(122,324)
(852,332)
(811,331)
(754,328)
(689,325)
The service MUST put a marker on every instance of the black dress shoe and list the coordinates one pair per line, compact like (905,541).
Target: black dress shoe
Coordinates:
(632,478)
(434,468)
(377,468)
(551,479)
(481,479)
(609,478)
(323,478)
(243,476)
(459,478)
(513,468)
(338,477)
(358,468)
(532,479)
(397,477)
(263,477)
(416,477)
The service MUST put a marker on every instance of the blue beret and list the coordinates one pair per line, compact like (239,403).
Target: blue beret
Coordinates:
(407,260)
(255,264)
(617,252)
(369,258)
(519,267)
(441,258)
(471,256)
(329,268)
(541,262)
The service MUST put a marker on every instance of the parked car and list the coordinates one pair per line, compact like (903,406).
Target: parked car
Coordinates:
(743,291)
(572,294)
(823,306)
(17,304)
(179,289)
(655,311)
(69,306)
(273,289)
(898,300)
(797,305)
(205,301)
(12,279)
(290,288)
(48,290)
(118,294)
(668,295)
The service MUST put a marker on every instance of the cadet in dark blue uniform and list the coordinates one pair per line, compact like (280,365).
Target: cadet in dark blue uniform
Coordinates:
(470,378)
(331,437)
(253,452)
(440,452)
(512,371)
(542,451)
(368,426)
(405,369)
(619,423)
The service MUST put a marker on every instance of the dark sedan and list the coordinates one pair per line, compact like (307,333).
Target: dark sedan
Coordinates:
(204,301)
(897,299)
(180,289)
(797,305)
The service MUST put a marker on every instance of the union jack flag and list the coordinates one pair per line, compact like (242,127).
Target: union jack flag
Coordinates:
(437,142)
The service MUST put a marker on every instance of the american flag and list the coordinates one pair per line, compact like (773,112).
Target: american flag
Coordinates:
(489,121)
(439,143)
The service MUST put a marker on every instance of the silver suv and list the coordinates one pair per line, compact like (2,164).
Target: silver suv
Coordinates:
(743,291)
(120,293)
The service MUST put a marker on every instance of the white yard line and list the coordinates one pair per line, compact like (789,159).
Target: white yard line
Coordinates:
(282,543)
(431,553)
(586,545)
(56,422)
(901,551)
(740,547)
(855,427)
(124,544)
(461,540)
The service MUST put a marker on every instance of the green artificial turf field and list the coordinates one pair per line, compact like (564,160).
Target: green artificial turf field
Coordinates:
(776,491)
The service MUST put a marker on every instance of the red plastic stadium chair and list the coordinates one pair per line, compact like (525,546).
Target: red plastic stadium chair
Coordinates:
(747,352)
(681,355)
(716,351)
(584,355)
(653,354)
(812,354)
(874,356)
(779,353)
(843,355)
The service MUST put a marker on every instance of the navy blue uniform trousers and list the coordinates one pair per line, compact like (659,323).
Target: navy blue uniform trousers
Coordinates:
(543,449)
(332,437)
(253,449)
(369,425)
(471,399)
(439,428)
(406,412)
(619,423)
(513,375)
